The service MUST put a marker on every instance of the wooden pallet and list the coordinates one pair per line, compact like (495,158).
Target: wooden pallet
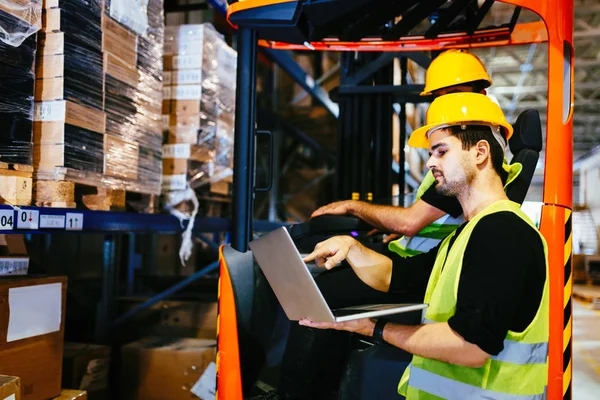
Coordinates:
(15,184)
(66,194)
(588,293)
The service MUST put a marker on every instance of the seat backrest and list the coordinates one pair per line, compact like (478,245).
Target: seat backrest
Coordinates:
(525,144)
(256,310)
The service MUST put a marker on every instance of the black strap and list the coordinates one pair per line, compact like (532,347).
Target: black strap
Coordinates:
(378,330)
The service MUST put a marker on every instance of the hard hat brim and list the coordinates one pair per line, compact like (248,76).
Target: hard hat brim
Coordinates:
(419,139)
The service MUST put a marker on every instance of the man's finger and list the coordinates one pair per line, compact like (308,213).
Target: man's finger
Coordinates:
(320,252)
(335,259)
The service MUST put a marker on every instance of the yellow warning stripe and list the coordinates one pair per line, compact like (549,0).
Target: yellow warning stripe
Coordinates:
(567,305)
(567,380)
(566,337)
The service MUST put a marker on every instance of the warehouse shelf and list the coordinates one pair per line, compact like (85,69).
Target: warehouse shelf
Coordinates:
(56,220)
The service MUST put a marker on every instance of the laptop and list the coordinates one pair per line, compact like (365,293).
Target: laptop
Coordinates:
(296,289)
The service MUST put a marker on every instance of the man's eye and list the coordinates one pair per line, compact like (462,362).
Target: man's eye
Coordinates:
(441,153)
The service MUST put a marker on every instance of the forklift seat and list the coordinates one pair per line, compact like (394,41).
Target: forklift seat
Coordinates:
(525,144)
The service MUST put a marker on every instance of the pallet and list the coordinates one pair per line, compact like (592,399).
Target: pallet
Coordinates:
(15,184)
(588,293)
(142,202)
(66,194)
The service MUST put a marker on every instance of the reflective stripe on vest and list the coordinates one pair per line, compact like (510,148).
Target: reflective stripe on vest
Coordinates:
(519,371)
(433,234)
(450,389)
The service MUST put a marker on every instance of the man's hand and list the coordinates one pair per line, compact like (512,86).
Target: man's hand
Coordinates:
(363,326)
(336,208)
(331,252)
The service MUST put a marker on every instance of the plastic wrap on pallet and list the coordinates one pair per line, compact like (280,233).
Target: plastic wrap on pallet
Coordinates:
(131,13)
(19,20)
(16,93)
(133,92)
(201,71)
(69,127)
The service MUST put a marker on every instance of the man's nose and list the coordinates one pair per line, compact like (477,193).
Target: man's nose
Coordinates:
(430,162)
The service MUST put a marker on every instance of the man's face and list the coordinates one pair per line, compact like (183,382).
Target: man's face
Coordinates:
(453,168)
(452,89)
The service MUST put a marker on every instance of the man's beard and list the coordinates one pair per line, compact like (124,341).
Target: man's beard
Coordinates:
(464,177)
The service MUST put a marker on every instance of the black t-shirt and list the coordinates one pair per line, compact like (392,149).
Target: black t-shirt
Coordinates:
(501,282)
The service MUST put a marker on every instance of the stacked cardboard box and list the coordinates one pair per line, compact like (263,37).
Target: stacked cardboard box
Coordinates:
(99,81)
(31,333)
(192,105)
(69,118)
(162,368)
(133,40)
(18,24)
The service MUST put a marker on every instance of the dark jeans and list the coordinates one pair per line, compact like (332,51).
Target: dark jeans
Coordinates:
(314,359)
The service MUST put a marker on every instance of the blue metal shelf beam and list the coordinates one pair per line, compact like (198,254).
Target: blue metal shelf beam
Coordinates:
(123,222)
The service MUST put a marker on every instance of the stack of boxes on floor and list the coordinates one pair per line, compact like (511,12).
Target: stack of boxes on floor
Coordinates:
(19,22)
(31,341)
(198,107)
(97,114)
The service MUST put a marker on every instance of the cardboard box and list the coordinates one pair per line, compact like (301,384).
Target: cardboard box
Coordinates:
(10,387)
(184,107)
(121,157)
(32,322)
(50,66)
(162,368)
(120,70)
(14,260)
(71,113)
(49,89)
(68,394)
(119,41)
(51,43)
(85,367)
(51,20)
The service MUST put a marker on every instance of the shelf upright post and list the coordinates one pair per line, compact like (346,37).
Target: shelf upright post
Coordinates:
(243,156)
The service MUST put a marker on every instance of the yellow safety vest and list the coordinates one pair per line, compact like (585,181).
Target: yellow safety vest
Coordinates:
(519,372)
(432,234)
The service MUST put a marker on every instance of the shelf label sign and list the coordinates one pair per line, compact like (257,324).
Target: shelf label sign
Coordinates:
(28,219)
(7,222)
(74,221)
(52,221)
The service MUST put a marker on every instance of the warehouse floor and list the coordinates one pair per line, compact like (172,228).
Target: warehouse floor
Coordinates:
(586,351)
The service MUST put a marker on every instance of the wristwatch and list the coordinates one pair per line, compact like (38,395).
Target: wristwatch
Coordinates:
(378,331)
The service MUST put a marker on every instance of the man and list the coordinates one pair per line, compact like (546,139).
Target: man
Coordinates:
(453,71)
(485,332)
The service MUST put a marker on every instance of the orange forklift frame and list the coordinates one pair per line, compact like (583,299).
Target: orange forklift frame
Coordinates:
(556,28)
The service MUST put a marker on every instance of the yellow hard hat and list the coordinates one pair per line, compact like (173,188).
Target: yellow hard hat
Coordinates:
(461,109)
(454,67)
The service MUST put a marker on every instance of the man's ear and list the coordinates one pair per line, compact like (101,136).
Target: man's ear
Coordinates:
(483,92)
(483,151)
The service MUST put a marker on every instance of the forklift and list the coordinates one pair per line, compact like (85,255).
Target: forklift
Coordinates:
(367,32)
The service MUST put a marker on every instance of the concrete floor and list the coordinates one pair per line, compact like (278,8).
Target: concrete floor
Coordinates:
(586,352)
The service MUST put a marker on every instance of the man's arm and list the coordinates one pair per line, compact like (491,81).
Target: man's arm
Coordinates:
(436,341)
(372,268)
(407,221)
